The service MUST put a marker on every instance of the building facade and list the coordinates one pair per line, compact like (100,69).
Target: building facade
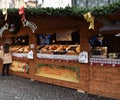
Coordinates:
(53,3)
(91,3)
(11,3)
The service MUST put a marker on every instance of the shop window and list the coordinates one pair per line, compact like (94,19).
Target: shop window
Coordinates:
(43,39)
(69,38)
(109,41)
(67,43)
(112,43)
(106,54)
(92,3)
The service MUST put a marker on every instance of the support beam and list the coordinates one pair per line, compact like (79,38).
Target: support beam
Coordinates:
(105,21)
(116,26)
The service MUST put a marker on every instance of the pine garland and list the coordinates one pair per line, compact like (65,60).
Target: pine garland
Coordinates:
(69,11)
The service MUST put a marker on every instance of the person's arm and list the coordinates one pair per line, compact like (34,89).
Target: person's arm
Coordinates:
(1,54)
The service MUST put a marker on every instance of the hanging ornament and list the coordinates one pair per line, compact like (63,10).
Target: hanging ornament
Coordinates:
(24,21)
(89,18)
(14,26)
(4,11)
(22,12)
(30,24)
(5,27)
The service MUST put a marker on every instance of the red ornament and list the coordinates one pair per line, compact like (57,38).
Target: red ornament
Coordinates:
(22,12)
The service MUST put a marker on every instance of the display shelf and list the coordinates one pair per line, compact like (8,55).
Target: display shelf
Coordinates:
(105,62)
(59,57)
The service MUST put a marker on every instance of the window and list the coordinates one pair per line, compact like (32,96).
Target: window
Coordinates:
(92,3)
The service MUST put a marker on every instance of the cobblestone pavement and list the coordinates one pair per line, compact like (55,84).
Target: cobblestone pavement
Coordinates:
(18,88)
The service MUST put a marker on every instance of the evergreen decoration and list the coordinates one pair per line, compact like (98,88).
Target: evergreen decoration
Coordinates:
(70,11)
(41,65)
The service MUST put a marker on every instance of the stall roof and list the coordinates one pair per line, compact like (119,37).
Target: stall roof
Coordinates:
(68,11)
(106,15)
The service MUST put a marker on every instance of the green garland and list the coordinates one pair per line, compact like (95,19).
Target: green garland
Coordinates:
(41,65)
(69,11)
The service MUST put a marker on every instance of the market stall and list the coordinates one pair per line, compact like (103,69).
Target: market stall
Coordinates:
(57,50)
(104,67)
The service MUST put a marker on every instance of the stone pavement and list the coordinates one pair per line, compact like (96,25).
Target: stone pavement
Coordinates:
(18,88)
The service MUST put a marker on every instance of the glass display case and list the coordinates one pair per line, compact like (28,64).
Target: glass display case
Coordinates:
(19,51)
(64,52)
(19,47)
(59,49)
(64,46)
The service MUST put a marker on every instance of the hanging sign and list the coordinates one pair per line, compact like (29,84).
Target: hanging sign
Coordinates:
(30,54)
(83,57)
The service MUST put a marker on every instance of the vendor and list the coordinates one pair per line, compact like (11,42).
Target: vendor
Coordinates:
(98,41)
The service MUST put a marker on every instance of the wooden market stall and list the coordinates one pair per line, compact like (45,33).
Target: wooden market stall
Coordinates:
(59,66)
(55,43)
(104,75)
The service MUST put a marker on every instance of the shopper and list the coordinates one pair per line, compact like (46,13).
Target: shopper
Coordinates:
(7,59)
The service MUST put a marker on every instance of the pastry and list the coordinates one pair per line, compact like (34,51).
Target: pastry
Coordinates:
(78,49)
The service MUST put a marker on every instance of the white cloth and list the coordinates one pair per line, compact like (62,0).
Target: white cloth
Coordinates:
(62,57)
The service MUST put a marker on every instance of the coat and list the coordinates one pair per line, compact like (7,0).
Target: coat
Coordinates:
(7,57)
